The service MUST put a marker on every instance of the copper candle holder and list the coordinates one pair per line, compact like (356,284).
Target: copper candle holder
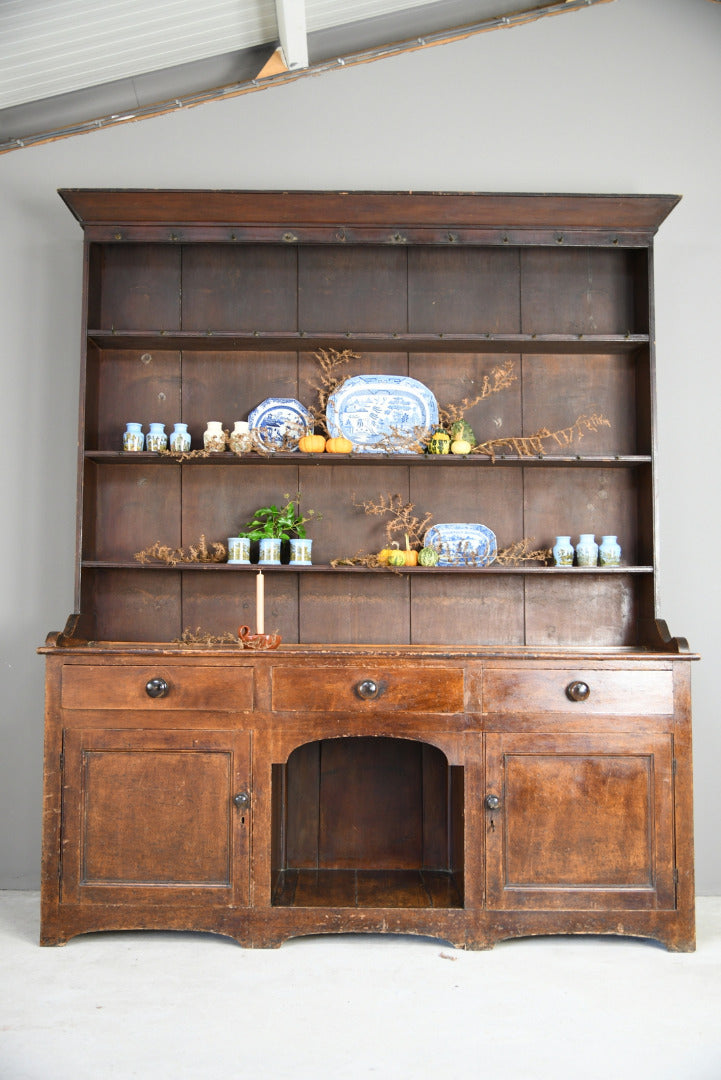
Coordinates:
(258,641)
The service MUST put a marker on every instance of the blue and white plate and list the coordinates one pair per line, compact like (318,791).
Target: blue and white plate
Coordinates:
(462,544)
(278,423)
(382,414)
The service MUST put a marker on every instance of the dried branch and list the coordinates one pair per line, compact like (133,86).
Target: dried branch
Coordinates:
(197,553)
(500,378)
(330,361)
(521,551)
(533,445)
(402,519)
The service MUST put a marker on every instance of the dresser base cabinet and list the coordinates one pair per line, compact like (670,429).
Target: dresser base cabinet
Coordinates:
(456,811)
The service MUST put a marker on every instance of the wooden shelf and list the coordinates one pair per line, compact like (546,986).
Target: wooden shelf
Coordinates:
(432,461)
(325,568)
(367,888)
(301,340)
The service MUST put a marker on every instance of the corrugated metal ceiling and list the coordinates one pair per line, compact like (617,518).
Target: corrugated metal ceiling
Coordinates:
(71,65)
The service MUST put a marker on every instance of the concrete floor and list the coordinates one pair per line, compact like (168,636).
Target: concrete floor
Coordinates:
(193,1006)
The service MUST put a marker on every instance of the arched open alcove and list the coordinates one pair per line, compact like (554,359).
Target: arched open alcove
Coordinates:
(367,821)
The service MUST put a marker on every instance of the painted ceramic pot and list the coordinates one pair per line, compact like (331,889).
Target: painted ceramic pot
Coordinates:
(609,552)
(563,551)
(238,550)
(133,439)
(180,439)
(300,552)
(587,550)
(156,439)
(269,551)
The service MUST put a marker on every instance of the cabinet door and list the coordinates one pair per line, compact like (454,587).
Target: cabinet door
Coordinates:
(152,816)
(582,821)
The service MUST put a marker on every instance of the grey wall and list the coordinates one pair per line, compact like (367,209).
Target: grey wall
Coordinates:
(622,97)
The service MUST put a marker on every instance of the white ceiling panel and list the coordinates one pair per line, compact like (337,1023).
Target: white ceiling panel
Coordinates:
(50,47)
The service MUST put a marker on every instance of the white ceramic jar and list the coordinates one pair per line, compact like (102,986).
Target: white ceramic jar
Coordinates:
(156,439)
(563,551)
(609,552)
(241,441)
(180,439)
(214,437)
(133,439)
(587,550)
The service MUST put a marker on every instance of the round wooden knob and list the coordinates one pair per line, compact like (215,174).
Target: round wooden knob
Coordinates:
(578,691)
(156,688)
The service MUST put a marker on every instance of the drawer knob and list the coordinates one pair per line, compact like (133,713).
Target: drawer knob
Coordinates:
(242,800)
(492,802)
(578,691)
(156,688)
(367,689)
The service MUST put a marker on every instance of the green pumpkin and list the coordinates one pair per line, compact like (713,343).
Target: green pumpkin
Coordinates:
(462,430)
(440,442)
(427,556)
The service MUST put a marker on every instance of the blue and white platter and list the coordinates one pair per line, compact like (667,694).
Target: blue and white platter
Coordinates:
(278,423)
(382,414)
(462,544)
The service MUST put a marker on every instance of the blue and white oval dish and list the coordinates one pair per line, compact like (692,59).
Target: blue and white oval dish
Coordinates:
(278,423)
(382,414)
(462,544)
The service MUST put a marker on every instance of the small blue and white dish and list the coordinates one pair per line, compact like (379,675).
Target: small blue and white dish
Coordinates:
(382,414)
(278,424)
(462,544)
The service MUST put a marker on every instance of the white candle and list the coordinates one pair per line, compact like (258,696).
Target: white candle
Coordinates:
(260,602)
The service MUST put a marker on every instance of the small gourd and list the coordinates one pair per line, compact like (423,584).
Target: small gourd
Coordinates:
(397,557)
(339,445)
(440,442)
(463,438)
(311,444)
(428,556)
(410,556)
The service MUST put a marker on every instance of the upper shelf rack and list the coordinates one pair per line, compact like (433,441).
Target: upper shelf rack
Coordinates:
(295,340)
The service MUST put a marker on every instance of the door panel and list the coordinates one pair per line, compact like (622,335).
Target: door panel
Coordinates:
(150,816)
(584,821)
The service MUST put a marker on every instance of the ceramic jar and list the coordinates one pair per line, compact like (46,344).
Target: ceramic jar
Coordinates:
(133,439)
(180,439)
(300,551)
(269,551)
(587,550)
(241,441)
(214,437)
(156,439)
(609,552)
(238,550)
(563,551)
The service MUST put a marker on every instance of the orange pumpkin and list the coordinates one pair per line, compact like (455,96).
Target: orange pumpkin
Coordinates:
(339,445)
(311,444)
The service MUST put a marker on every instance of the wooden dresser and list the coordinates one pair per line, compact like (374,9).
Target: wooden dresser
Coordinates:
(463,752)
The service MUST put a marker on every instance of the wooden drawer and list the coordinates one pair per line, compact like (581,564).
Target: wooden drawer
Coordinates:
(201,687)
(612,692)
(367,686)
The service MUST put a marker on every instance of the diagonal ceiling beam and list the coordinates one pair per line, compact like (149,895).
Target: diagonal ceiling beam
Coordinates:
(293,33)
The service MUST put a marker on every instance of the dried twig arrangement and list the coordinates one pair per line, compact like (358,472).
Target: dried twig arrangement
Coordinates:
(522,551)
(203,637)
(500,378)
(533,445)
(402,441)
(402,518)
(196,553)
(186,455)
(330,362)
